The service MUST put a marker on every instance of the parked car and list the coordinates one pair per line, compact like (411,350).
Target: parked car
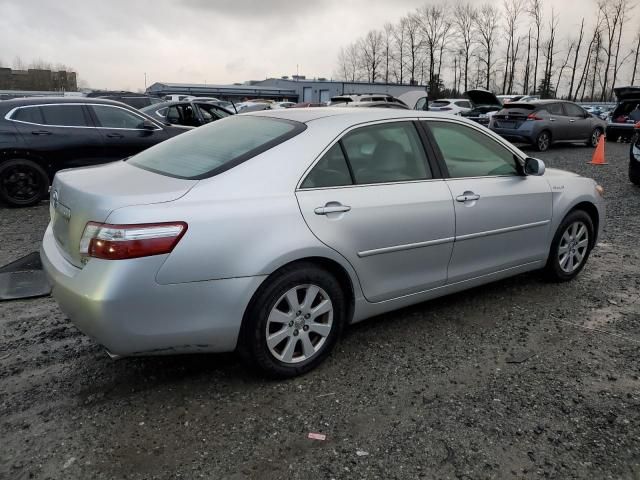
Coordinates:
(277,105)
(367,97)
(135,100)
(453,106)
(175,97)
(544,122)
(39,136)
(485,104)
(186,113)
(634,157)
(378,104)
(230,106)
(308,105)
(415,99)
(260,243)
(620,125)
(192,98)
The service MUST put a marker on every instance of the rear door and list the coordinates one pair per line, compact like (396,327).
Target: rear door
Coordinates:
(123,131)
(64,134)
(579,124)
(502,217)
(373,198)
(558,122)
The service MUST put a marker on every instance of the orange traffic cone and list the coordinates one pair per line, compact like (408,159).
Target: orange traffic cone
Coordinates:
(598,155)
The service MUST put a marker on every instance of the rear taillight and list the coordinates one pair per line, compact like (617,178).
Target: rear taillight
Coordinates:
(533,116)
(119,242)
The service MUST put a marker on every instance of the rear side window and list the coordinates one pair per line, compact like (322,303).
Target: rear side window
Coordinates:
(330,171)
(389,152)
(28,114)
(64,115)
(216,147)
(555,109)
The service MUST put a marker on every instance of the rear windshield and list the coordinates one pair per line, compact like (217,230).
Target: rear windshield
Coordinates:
(216,147)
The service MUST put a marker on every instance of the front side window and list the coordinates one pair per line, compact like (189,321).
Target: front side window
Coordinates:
(64,115)
(470,153)
(389,152)
(216,147)
(421,104)
(330,171)
(210,112)
(115,117)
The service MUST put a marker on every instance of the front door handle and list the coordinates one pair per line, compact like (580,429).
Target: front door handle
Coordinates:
(115,135)
(467,197)
(572,121)
(332,208)
(552,119)
(40,132)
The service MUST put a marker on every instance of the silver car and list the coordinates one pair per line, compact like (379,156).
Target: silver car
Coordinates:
(270,232)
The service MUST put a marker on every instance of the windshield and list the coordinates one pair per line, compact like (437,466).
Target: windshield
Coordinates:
(216,147)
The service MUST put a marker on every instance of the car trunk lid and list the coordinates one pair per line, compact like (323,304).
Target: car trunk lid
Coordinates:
(90,194)
(627,93)
(513,115)
(480,96)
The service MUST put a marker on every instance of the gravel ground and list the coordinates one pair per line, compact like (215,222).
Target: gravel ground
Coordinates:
(517,379)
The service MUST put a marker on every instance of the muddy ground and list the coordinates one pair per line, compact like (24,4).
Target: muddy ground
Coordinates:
(517,379)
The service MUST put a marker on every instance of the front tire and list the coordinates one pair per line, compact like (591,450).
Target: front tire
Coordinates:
(543,141)
(293,321)
(23,183)
(571,247)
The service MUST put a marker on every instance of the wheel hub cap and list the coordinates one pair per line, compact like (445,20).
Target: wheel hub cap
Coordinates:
(573,247)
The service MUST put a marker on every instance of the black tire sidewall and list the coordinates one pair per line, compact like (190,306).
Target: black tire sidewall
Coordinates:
(253,346)
(553,270)
(44,188)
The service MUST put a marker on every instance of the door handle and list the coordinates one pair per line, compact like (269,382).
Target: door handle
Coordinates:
(572,121)
(41,132)
(328,208)
(115,135)
(552,119)
(467,197)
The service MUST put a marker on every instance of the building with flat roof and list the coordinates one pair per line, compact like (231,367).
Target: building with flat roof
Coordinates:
(296,89)
(38,80)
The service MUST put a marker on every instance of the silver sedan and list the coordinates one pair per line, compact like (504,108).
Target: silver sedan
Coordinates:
(269,232)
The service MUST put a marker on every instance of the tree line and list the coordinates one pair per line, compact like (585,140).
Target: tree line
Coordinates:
(510,48)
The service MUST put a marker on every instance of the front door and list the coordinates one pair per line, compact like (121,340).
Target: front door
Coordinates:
(123,131)
(579,123)
(372,198)
(502,217)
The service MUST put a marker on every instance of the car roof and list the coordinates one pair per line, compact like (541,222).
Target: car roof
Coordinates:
(305,115)
(19,102)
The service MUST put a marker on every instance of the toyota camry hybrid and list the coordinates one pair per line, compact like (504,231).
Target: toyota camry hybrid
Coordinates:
(269,232)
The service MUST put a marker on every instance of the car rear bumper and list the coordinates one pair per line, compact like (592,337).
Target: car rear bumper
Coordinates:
(620,130)
(514,135)
(121,306)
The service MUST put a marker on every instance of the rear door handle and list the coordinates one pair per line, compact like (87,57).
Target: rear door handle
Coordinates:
(552,119)
(572,121)
(41,132)
(332,209)
(115,135)
(467,197)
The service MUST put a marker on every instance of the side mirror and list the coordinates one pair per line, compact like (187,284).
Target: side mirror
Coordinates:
(534,167)
(148,125)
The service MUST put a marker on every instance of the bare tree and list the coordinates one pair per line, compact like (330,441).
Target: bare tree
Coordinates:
(577,44)
(549,53)
(612,12)
(399,43)
(387,39)
(562,68)
(413,45)
(512,11)
(464,17)
(435,27)
(527,68)
(534,9)
(486,25)
(371,54)
(636,55)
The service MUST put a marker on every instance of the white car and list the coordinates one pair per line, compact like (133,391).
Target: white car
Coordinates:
(454,106)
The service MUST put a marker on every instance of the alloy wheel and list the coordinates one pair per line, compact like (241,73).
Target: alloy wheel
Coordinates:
(543,142)
(299,324)
(595,137)
(21,183)
(573,247)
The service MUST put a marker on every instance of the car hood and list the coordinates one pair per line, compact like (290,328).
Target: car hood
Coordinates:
(556,172)
(480,96)
(627,93)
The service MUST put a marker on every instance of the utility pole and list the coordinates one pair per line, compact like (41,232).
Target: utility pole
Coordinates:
(145,81)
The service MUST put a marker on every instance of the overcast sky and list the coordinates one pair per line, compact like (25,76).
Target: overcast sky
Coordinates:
(112,43)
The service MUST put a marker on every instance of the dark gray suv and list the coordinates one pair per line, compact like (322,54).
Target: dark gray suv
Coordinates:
(544,122)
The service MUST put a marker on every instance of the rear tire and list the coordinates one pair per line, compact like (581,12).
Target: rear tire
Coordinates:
(281,335)
(571,247)
(543,141)
(23,183)
(634,175)
(595,137)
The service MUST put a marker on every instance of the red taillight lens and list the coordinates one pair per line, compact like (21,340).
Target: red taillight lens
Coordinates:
(120,242)
(533,116)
